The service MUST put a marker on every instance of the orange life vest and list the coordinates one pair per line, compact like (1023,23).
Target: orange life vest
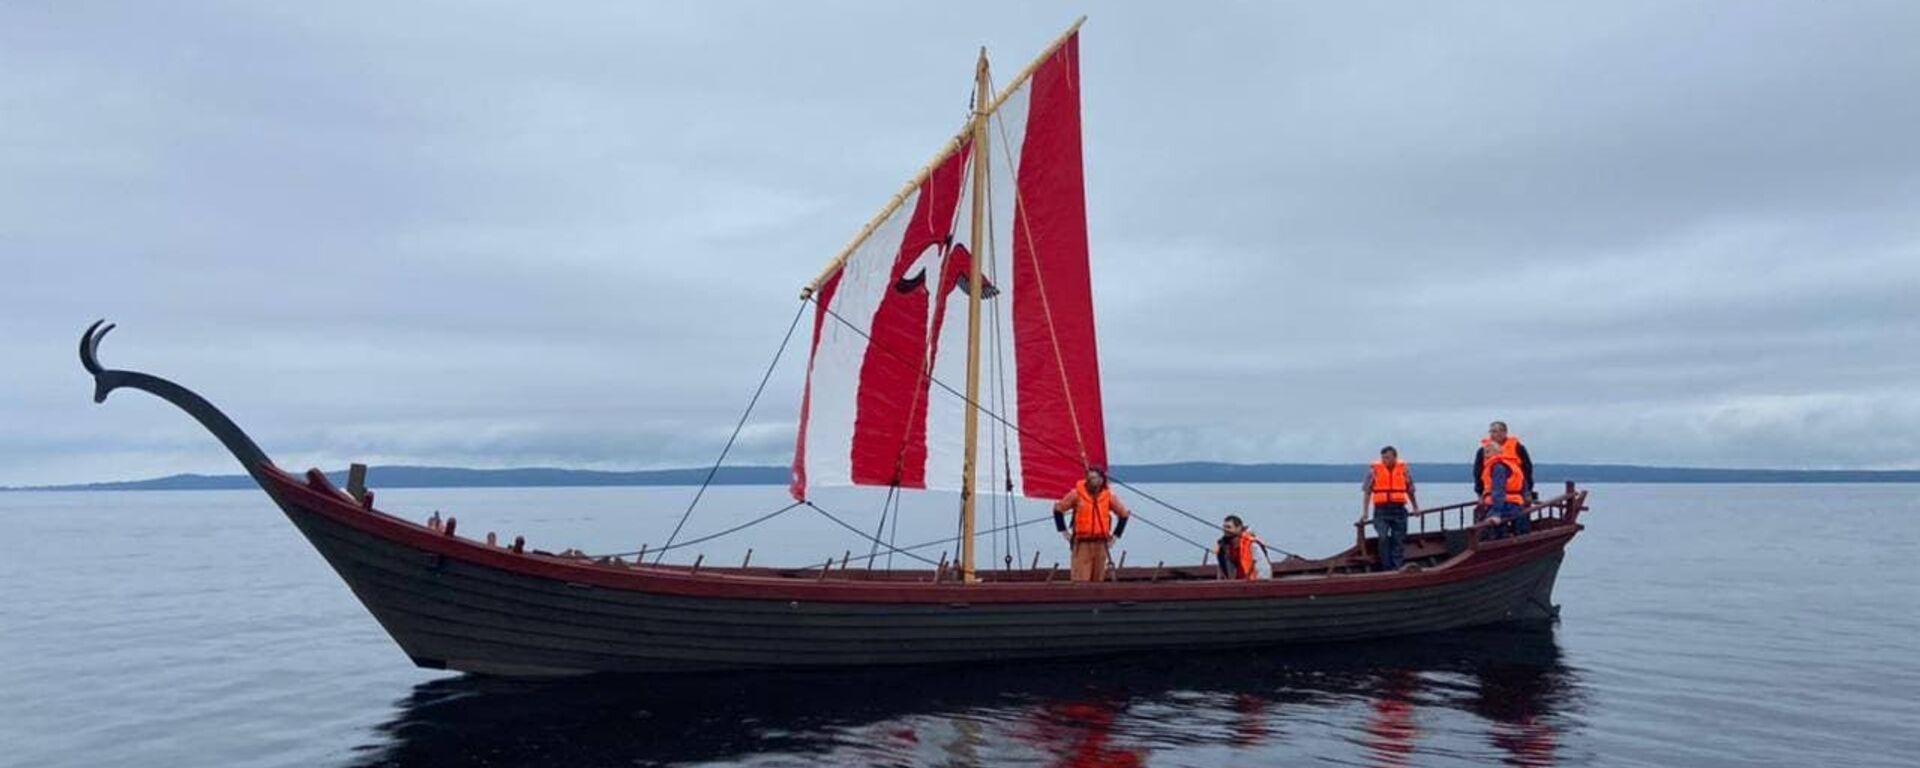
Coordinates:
(1242,555)
(1093,517)
(1509,454)
(1390,486)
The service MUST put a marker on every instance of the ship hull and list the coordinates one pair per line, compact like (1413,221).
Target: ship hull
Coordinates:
(456,604)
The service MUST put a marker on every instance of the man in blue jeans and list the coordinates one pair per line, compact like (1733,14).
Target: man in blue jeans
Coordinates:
(1504,513)
(1387,492)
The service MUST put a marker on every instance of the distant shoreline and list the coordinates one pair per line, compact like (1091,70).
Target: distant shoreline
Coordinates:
(1184,472)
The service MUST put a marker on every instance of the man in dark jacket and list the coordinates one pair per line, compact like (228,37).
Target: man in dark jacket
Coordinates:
(1503,496)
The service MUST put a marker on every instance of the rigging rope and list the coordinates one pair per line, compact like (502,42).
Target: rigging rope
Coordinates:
(1046,305)
(711,536)
(1004,462)
(874,551)
(895,534)
(755,400)
(937,542)
(860,533)
(1024,434)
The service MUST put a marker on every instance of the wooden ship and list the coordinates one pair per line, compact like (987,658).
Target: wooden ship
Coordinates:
(881,409)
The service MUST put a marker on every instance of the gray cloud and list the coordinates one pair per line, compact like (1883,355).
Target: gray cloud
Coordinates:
(1664,232)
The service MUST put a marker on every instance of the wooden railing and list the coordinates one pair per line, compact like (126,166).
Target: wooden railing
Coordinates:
(1567,506)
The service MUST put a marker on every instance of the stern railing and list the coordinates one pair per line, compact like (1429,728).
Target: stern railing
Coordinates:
(1465,516)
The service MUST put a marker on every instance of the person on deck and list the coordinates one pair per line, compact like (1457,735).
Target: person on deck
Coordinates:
(1388,494)
(1094,508)
(1235,550)
(1503,480)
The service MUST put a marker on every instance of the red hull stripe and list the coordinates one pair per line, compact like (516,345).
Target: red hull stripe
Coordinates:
(330,503)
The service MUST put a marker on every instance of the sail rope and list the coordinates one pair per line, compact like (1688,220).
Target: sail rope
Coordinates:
(742,424)
(861,533)
(1004,461)
(874,551)
(956,539)
(894,535)
(1046,305)
(889,548)
(710,536)
(1036,439)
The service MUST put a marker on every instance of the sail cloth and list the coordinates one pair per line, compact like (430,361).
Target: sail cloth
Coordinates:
(890,323)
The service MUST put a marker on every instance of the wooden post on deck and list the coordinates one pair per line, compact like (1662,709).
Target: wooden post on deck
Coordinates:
(357,482)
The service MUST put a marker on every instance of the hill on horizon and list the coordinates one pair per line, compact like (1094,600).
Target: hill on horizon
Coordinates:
(403,476)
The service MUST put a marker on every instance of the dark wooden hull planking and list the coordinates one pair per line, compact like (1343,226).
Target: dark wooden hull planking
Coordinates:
(455,603)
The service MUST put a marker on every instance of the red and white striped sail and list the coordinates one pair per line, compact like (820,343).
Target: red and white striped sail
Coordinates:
(890,325)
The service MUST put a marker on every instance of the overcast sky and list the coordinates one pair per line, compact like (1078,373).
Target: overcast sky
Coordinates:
(534,234)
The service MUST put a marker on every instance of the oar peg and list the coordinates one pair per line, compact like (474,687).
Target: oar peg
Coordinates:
(748,559)
(357,482)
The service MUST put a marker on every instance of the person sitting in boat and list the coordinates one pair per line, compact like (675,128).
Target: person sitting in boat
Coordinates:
(1094,508)
(1235,550)
(1387,493)
(1503,480)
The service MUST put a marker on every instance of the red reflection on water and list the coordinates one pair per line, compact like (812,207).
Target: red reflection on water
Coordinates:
(1251,727)
(1080,735)
(1519,704)
(1390,733)
(1527,741)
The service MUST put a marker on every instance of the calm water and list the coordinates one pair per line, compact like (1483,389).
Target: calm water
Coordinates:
(1703,625)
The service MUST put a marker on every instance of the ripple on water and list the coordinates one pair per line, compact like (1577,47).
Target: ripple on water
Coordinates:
(1704,625)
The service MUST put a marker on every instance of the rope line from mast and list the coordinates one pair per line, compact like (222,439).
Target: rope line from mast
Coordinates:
(1016,428)
(874,551)
(860,533)
(751,402)
(710,536)
(1046,305)
(1004,461)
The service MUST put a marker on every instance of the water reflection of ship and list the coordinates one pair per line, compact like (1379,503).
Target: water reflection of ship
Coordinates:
(1115,711)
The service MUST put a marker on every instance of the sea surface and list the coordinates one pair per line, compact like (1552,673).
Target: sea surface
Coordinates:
(1702,625)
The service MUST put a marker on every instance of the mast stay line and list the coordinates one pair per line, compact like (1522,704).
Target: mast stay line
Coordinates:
(1039,440)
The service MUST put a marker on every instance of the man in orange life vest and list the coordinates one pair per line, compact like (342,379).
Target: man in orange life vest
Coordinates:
(1235,550)
(1387,492)
(1094,508)
(1503,480)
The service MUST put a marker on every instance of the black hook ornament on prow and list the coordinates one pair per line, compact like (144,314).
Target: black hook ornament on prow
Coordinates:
(106,380)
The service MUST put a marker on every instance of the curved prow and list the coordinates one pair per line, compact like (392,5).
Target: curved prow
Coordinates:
(106,380)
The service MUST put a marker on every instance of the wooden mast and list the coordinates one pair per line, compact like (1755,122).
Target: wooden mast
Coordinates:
(984,105)
(975,242)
